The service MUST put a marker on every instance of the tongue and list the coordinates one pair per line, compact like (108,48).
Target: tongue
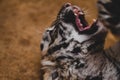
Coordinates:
(80,25)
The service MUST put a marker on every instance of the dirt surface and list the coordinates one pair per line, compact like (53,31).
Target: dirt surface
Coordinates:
(22,23)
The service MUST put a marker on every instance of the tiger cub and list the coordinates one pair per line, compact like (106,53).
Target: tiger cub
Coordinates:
(73,50)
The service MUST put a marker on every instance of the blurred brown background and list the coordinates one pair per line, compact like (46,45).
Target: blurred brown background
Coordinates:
(22,23)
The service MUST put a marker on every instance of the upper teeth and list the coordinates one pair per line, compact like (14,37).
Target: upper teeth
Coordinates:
(81,13)
(75,14)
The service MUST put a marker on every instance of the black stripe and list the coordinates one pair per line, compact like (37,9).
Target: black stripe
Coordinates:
(57,47)
(41,46)
(63,57)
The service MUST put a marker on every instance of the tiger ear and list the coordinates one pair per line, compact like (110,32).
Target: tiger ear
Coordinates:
(47,39)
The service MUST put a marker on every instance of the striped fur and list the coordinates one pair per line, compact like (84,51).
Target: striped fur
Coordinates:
(109,14)
(69,54)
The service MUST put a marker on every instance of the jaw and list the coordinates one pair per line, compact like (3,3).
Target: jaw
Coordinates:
(81,22)
(74,15)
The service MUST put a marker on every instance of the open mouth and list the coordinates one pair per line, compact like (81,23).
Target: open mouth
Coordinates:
(80,20)
(74,13)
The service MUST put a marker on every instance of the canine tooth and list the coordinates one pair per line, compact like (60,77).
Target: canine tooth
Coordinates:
(94,20)
(75,14)
(81,24)
(81,13)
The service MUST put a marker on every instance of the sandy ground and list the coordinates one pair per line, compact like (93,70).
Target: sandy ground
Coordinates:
(22,23)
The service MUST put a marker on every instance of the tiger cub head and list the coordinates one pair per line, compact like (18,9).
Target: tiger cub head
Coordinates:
(71,24)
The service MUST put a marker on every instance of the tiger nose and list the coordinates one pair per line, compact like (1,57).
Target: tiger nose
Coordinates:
(67,4)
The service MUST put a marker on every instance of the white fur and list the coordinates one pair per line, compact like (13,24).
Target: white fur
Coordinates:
(75,34)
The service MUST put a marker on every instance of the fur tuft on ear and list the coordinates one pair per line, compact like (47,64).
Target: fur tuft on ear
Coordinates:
(51,37)
(47,39)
